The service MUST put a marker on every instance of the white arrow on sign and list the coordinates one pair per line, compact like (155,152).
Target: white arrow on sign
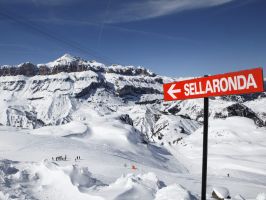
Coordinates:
(171,91)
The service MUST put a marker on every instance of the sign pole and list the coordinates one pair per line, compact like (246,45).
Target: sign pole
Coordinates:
(205,149)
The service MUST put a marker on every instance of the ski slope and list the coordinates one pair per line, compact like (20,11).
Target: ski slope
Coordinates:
(105,168)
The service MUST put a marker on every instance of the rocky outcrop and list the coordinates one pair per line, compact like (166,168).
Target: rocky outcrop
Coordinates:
(23,119)
(126,119)
(244,97)
(44,70)
(129,71)
(12,85)
(135,91)
(26,69)
(29,69)
(240,110)
(174,110)
(90,89)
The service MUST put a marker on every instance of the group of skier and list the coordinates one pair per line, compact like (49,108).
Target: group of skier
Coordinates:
(77,158)
(59,158)
(64,158)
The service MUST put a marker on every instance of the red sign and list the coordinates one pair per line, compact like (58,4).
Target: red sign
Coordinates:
(241,82)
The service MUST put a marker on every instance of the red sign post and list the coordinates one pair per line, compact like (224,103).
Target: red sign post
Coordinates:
(241,82)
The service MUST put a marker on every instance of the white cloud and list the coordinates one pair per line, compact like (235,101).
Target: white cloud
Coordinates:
(146,9)
(121,10)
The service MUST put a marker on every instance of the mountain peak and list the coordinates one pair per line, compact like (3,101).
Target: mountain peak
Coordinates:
(66,59)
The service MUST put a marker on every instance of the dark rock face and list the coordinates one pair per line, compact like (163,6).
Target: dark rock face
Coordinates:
(235,98)
(186,116)
(159,80)
(6,166)
(26,69)
(67,68)
(126,119)
(89,90)
(73,67)
(130,71)
(242,111)
(244,97)
(135,91)
(174,110)
(13,85)
(21,118)
(148,102)
(44,70)
(29,69)
(8,71)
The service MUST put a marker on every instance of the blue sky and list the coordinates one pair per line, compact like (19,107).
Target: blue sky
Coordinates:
(170,37)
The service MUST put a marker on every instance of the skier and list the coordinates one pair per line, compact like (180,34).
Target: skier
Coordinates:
(133,167)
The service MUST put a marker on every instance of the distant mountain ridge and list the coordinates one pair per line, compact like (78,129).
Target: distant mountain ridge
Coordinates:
(68,63)
(59,92)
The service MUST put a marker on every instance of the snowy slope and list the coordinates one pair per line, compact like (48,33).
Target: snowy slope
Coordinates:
(132,144)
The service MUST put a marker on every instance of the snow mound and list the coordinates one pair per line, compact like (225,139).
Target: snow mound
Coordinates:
(133,186)
(49,180)
(46,180)
(173,192)
(79,176)
(221,192)
(261,196)
(72,128)
(3,196)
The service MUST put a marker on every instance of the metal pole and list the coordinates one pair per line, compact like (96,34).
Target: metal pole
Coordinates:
(205,149)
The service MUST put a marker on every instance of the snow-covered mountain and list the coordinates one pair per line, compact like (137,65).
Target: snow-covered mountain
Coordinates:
(68,63)
(39,100)
(117,113)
